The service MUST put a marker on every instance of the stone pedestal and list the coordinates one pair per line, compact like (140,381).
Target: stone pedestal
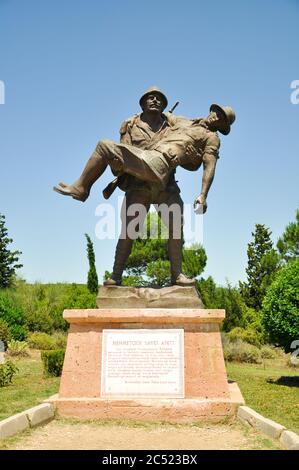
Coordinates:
(146,297)
(207,394)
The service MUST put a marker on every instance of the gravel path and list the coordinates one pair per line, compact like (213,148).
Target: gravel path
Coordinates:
(66,434)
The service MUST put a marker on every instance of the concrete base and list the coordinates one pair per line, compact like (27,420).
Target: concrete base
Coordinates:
(151,410)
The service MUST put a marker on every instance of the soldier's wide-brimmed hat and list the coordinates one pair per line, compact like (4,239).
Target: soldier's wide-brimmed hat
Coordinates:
(228,115)
(154,89)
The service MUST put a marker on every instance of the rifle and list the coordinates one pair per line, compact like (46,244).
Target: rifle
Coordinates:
(173,108)
(111,187)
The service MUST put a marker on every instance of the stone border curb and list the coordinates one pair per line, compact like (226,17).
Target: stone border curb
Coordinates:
(30,418)
(288,439)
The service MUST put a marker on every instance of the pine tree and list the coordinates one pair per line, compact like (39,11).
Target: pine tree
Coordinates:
(194,260)
(148,262)
(8,259)
(92,278)
(261,267)
(288,243)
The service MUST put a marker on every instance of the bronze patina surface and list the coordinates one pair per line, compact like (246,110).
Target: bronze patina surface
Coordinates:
(152,145)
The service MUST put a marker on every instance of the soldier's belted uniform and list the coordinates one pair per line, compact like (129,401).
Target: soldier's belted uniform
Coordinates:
(138,133)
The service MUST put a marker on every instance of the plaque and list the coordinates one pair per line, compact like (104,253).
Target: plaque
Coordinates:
(143,363)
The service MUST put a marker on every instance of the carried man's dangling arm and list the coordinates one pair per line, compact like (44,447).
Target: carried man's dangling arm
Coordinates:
(209,158)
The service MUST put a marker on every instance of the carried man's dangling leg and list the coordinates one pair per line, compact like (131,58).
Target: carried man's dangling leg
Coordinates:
(120,157)
(80,189)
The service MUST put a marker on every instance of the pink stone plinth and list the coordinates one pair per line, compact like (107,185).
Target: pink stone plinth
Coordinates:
(185,410)
(208,396)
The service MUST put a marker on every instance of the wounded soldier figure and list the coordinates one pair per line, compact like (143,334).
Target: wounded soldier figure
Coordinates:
(155,163)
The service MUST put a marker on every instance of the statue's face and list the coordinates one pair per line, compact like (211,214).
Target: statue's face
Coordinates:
(215,119)
(153,103)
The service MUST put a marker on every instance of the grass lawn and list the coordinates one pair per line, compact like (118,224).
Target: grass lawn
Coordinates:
(277,401)
(29,387)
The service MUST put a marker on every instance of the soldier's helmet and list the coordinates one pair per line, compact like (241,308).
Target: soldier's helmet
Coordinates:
(228,115)
(154,89)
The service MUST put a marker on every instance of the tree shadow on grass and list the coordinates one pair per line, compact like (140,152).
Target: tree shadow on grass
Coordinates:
(289,381)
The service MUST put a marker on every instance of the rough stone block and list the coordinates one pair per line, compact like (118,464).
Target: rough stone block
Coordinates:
(133,297)
(13,425)
(40,414)
(289,440)
(265,425)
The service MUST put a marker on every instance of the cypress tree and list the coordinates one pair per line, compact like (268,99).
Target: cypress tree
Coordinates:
(8,259)
(261,267)
(92,278)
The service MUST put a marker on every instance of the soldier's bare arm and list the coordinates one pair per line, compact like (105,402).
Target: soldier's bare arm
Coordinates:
(209,158)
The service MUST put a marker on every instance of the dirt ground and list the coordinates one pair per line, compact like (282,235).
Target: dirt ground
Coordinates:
(70,435)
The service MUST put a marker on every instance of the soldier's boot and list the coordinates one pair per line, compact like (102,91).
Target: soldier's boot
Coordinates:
(176,258)
(122,252)
(94,168)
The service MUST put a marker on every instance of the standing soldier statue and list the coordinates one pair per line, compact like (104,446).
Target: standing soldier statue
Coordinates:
(152,145)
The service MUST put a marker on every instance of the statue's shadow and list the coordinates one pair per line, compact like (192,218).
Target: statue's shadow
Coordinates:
(289,381)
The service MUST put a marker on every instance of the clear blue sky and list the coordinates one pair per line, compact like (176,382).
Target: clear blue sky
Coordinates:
(74,70)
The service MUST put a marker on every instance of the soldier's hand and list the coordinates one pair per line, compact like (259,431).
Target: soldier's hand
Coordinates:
(191,152)
(200,204)
(173,160)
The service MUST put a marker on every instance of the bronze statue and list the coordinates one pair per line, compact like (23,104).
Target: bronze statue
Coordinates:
(152,145)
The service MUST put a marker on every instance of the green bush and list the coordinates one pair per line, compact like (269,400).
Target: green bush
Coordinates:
(18,348)
(252,319)
(248,336)
(7,370)
(36,304)
(227,298)
(40,320)
(78,296)
(5,334)
(53,362)
(60,338)
(268,352)
(280,312)
(39,340)
(44,312)
(39,307)
(239,351)
(12,314)
(19,332)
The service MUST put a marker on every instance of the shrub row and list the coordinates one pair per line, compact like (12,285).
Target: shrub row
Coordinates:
(43,341)
(238,350)
(7,370)
(53,362)
(39,307)
(248,335)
